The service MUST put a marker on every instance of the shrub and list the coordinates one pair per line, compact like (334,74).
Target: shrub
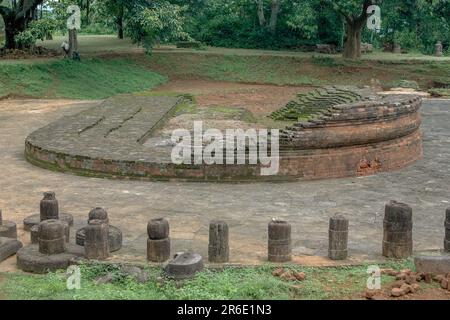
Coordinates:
(37,30)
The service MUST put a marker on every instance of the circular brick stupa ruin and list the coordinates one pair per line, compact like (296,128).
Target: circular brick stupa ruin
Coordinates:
(334,132)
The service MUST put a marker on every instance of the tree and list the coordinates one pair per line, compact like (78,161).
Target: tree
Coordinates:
(355,14)
(160,21)
(275,11)
(275,8)
(16,15)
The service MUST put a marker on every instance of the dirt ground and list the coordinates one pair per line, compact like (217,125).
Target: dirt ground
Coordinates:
(256,98)
(190,206)
(427,293)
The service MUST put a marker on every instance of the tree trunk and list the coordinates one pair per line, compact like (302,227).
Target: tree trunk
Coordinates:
(260,10)
(10,38)
(73,42)
(120,23)
(352,48)
(274,15)
(88,11)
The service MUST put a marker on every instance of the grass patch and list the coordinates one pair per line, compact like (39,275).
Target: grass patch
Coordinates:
(444,93)
(229,284)
(88,79)
(289,70)
(249,69)
(324,61)
(109,75)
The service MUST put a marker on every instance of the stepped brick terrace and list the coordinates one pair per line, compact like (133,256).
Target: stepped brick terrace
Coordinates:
(349,133)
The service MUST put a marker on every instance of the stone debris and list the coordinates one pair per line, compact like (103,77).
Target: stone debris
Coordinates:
(408,282)
(137,273)
(289,275)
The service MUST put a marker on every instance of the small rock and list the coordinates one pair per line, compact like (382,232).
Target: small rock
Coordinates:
(401,276)
(415,287)
(370,294)
(389,272)
(135,272)
(428,278)
(406,288)
(410,279)
(397,284)
(278,272)
(406,271)
(439,278)
(397,292)
(444,283)
(300,276)
(104,279)
(288,276)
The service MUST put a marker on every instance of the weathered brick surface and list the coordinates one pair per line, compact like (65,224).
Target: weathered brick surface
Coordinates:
(356,139)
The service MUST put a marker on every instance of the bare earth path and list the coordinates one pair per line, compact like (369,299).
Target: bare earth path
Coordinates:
(247,207)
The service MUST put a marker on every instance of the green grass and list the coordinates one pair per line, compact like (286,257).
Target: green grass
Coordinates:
(111,73)
(88,79)
(95,44)
(288,70)
(229,284)
(444,93)
(249,69)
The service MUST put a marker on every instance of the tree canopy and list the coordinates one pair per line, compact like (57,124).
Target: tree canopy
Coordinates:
(271,24)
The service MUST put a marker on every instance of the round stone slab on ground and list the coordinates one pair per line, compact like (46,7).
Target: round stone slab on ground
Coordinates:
(115,238)
(433,264)
(29,259)
(184,266)
(8,247)
(308,149)
(35,219)
(8,229)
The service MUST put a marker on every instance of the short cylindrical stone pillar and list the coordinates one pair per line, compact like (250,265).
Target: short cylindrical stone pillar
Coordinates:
(218,249)
(99,214)
(338,238)
(447,231)
(52,238)
(49,208)
(96,243)
(438,49)
(397,235)
(8,229)
(158,229)
(34,232)
(279,244)
(158,242)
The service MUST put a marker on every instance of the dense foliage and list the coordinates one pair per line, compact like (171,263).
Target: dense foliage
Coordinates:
(415,25)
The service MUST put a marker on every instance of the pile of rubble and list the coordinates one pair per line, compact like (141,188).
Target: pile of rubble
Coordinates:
(407,282)
(289,275)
